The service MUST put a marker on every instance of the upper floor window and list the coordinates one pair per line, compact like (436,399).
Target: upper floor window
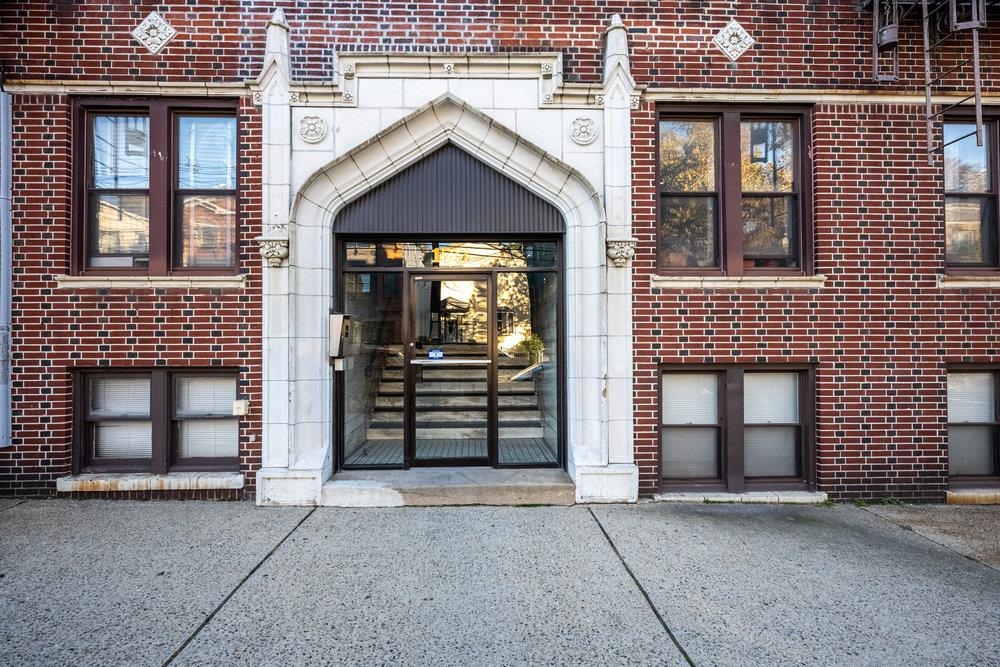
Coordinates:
(970,196)
(734,192)
(157,187)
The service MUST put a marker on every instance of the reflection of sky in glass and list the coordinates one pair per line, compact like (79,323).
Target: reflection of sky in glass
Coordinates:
(206,153)
(965,162)
(121,152)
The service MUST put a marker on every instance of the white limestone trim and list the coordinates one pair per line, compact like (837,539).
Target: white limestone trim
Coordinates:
(791,95)
(175,481)
(169,282)
(984,496)
(749,497)
(961,282)
(736,282)
(151,88)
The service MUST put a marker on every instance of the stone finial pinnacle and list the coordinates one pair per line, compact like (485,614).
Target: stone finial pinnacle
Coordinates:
(616,46)
(278,18)
(616,22)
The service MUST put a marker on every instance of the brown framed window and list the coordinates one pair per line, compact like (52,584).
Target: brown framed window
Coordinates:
(972,242)
(973,427)
(736,427)
(734,191)
(156,421)
(156,187)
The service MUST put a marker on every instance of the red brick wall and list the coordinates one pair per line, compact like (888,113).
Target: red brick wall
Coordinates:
(58,330)
(880,334)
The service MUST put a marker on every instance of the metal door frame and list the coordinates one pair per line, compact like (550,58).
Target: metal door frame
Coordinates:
(409,375)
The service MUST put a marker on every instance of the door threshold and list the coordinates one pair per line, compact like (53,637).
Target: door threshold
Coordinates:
(448,486)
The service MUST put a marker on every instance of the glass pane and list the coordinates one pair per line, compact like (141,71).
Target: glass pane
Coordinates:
(970,230)
(121,152)
(770,226)
(771,398)
(373,370)
(687,155)
(965,163)
(118,396)
(970,450)
(206,153)
(123,440)
(208,438)
(463,254)
(448,359)
(770,451)
(687,232)
(120,231)
(198,396)
(208,231)
(690,453)
(690,398)
(767,156)
(970,398)
(528,367)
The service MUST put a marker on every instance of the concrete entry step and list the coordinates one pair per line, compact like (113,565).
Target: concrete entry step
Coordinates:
(448,486)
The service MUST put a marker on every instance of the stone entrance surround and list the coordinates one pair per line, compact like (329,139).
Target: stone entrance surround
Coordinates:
(327,144)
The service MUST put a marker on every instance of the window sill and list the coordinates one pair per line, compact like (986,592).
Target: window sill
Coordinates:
(133,481)
(983,496)
(956,282)
(750,497)
(738,282)
(176,282)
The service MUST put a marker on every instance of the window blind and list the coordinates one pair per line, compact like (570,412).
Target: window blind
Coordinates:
(970,397)
(771,398)
(123,440)
(199,395)
(770,451)
(691,453)
(690,398)
(208,438)
(119,396)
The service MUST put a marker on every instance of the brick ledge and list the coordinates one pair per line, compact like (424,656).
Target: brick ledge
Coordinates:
(178,481)
(106,282)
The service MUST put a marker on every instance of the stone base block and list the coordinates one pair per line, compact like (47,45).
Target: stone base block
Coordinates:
(613,483)
(973,497)
(283,487)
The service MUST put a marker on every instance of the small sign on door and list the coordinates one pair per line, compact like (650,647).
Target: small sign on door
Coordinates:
(435,354)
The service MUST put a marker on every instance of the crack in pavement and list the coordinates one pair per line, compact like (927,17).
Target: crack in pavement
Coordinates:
(208,619)
(635,580)
(4,509)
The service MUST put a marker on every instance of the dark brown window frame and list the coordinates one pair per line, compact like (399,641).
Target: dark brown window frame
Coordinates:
(992,120)
(729,194)
(731,426)
(164,458)
(979,481)
(163,231)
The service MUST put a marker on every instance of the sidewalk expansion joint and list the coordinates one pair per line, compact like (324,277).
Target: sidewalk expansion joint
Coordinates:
(931,540)
(208,619)
(638,584)
(14,505)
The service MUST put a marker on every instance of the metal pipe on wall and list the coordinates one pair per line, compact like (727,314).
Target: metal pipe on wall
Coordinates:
(6,258)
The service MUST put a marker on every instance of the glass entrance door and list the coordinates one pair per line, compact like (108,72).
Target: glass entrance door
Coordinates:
(451,376)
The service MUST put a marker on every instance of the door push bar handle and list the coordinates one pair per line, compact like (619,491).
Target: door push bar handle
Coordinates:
(451,362)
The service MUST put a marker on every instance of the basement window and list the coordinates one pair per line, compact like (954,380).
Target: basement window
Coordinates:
(973,428)
(156,421)
(734,191)
(736,428)
(155,187)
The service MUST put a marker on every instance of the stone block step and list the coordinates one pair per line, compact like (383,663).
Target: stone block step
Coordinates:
(389,388)
(454,433)
(441,415)
(460,400)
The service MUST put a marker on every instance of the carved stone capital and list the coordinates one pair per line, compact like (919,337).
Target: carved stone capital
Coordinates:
(274,249)
(621,251)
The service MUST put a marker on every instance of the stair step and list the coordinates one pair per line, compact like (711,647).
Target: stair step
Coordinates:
(525,401)
(389,388)
(396,363)
(453,433)
(395,417)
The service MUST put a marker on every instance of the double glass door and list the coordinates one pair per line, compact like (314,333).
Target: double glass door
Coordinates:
(455,355)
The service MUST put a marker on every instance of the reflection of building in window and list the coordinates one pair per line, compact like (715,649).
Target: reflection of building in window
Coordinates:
(209,229)
(505,322)
(123,225)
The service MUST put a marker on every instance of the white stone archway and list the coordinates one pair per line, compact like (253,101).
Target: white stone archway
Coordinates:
(298,412)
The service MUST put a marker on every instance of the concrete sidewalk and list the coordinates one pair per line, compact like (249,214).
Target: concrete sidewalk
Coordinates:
(150,583)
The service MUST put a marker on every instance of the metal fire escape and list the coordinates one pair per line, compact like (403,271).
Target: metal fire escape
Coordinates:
(950,50)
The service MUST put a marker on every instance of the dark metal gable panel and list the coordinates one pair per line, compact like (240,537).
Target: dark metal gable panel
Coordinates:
(449,192)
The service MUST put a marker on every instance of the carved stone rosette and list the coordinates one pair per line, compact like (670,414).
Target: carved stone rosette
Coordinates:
(274,249)
(621,251)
